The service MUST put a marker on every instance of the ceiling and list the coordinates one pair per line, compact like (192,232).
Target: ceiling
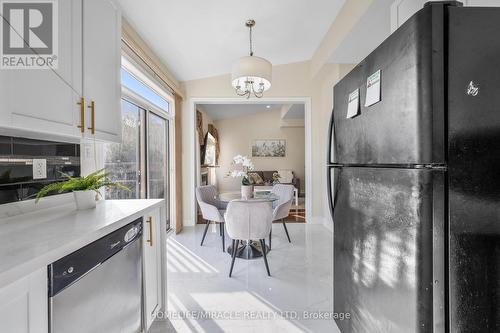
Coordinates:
(200,38)
(375,26)
(296,111)
(226,111)
(370,31)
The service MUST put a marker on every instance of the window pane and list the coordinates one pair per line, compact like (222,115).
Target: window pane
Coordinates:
(129,81)
(157,158)
(122,160)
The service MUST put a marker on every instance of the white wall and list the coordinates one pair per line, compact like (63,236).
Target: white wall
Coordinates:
(237,135)
(402,10)
(290,80)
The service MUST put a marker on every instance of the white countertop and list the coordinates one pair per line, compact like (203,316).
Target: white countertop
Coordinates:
(38,238)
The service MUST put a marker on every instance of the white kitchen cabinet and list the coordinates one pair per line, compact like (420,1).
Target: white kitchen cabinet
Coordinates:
(151,266)
(101,69)
(23,304)
(48,101)
(44,100)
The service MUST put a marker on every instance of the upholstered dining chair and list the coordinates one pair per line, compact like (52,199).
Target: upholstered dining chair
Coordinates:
(212,209)
(282,206)
(248,220)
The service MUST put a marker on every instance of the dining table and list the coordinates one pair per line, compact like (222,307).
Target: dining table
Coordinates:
(249,249)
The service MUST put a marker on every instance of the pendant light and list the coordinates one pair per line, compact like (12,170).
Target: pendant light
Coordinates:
(251,75)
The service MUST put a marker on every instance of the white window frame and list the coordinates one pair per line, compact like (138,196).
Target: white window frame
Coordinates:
(135,70)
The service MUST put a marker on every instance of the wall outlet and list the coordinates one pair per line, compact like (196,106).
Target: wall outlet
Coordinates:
(39,168)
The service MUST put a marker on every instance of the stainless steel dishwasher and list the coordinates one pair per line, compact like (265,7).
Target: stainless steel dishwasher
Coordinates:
(98,287)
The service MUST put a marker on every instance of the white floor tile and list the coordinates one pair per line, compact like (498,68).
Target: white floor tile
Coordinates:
(250,301)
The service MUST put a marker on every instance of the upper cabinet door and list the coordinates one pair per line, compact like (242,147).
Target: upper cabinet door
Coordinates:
(45,100)
(101,69)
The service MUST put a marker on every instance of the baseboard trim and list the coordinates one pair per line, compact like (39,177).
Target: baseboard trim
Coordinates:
(188,223)
(315,220)
(328,225)
(326,222)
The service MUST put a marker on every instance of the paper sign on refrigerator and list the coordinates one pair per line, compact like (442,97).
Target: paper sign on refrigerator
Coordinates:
(353,104)
(373,89)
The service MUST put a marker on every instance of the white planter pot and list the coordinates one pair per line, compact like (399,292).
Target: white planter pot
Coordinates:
(85,199)
(246,191)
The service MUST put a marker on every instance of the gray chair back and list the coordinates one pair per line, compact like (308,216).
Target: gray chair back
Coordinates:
(209,204)
(284,203)
(248,220)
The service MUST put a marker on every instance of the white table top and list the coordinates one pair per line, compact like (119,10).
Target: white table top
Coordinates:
(257,196)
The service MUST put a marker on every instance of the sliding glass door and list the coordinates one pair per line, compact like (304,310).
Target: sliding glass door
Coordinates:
(123,161)
(141,161)
(157,158)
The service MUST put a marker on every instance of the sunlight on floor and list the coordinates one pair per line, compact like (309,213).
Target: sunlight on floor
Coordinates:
(202,298)
(186,261)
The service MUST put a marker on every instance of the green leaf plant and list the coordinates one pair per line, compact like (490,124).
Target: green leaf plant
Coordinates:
(91,182)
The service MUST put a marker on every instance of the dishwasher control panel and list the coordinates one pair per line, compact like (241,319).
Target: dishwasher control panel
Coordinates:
(67,270)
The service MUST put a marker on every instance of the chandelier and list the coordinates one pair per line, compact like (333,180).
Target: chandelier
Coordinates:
(251,75)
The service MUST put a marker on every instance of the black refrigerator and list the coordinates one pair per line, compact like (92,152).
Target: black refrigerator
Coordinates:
(414,179)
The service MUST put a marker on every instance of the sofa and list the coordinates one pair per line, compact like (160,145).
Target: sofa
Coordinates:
(286,177)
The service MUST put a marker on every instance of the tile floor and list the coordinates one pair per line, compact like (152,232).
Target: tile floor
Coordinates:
(198,284)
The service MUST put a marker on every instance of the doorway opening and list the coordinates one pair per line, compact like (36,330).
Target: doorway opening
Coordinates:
(273,133)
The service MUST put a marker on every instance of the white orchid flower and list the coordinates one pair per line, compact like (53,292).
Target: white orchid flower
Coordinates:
(238,159)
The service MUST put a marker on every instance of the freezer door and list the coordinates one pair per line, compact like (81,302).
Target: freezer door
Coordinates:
(388,250)
(474,169)
(407,125)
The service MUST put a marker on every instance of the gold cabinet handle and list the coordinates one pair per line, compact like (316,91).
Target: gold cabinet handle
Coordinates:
(82,114)
(92,117)
(150,222)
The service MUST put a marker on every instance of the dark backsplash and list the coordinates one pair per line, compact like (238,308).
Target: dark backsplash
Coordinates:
(16,171)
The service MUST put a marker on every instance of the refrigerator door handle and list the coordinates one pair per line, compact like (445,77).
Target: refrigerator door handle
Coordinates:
(331,138)
(332,192)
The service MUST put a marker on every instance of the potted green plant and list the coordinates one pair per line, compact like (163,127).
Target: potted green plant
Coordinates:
(85,189)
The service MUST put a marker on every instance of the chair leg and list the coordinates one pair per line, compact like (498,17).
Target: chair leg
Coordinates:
(264,254)
(286,230)
(223,237)
(205,232)
(270,236)
(235,247)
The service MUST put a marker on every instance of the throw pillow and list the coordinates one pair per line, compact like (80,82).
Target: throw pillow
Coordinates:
(286,176)
(255,178)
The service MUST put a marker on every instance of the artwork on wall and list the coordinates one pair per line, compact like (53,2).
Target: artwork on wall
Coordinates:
(269,148)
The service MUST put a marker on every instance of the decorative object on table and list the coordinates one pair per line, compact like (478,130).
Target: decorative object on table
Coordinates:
(241,166)
(276,178)
(85,189)
(269,148)
(251,75)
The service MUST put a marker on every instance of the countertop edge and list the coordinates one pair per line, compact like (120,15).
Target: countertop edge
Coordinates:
(25,268)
